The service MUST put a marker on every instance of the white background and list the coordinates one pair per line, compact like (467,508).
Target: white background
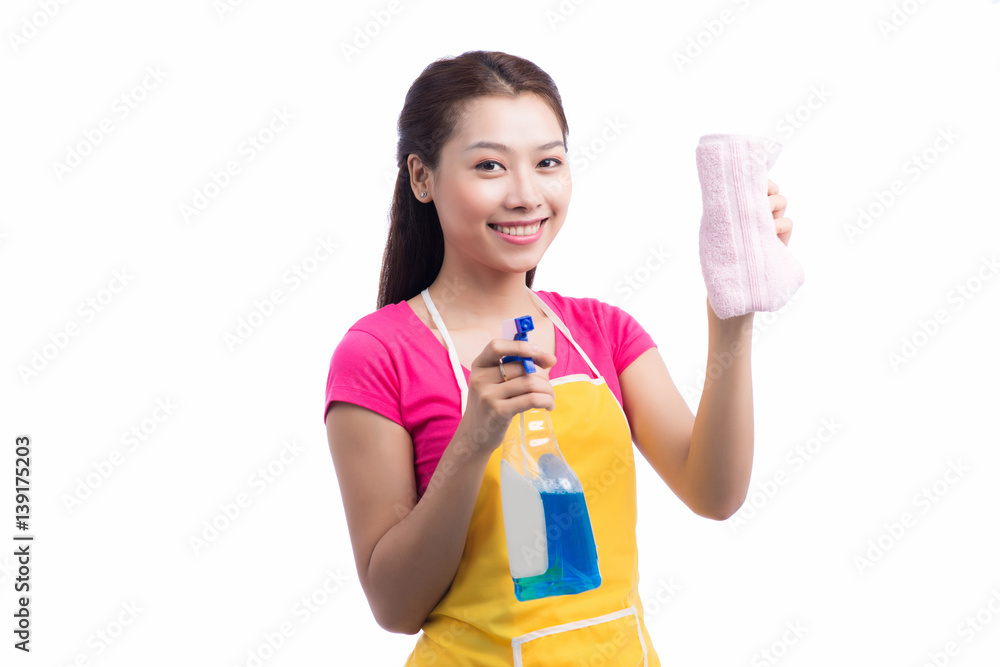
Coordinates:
(717,593)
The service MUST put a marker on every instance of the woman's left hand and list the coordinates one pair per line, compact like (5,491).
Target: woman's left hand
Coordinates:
(782,225)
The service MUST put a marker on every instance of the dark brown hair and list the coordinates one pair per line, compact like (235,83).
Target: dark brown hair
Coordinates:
(414,249)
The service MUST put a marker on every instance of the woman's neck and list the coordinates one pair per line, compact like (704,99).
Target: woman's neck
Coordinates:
(473,299)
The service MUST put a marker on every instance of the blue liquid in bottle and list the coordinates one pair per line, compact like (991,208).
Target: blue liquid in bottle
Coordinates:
(572,566)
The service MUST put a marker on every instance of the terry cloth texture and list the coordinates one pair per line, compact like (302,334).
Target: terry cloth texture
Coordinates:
(745,265)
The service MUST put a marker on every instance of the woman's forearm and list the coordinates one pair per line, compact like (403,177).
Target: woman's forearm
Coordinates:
(721,455)
(414,563)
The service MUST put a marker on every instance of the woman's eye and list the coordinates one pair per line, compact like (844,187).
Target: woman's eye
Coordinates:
(482,166)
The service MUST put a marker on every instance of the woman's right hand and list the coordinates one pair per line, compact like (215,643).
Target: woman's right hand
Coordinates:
(492,402)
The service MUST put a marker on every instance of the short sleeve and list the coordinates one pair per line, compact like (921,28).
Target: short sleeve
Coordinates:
(628,338)
(363,372)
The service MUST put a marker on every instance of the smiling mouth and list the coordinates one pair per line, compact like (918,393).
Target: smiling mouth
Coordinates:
(519,230)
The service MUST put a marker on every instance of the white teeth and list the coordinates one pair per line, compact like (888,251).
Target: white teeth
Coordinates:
(519,231)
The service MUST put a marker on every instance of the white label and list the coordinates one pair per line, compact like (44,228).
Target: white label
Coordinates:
(524,524)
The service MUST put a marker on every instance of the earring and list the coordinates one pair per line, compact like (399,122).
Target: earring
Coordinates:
(423,193)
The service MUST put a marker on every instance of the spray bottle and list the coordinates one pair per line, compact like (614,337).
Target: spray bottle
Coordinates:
(550,540)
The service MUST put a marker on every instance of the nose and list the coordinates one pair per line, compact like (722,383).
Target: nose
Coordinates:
(524,190)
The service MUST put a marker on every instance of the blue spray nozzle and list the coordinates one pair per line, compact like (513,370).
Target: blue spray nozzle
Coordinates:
(517,329)
(523,326)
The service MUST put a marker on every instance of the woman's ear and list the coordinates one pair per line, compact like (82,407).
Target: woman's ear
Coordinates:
(421,178)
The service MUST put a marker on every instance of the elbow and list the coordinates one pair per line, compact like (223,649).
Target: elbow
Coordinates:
(397,619)
(398,625)
(714,515)
(726,511)
(722,515)
(393,610)
(719,511)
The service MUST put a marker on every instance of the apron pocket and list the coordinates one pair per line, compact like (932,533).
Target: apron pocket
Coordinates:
(612,640)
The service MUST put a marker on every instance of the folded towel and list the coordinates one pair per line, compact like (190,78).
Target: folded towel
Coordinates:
(746,266)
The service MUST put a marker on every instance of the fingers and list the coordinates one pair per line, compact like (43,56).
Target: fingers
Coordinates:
(499,347)
(486,368)
(525,391)
(522,390)
(782,225)
(778,204)
(543,362)
(783,228)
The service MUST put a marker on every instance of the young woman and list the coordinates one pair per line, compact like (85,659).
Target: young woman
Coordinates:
(417,401)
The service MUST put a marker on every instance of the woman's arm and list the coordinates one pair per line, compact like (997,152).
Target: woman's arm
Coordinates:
(721,454)
(407,552)
(705,459)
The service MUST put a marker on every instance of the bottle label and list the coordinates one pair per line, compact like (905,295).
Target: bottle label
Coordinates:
(524,524)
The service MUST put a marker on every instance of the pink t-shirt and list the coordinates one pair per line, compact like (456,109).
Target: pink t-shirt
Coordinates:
(390,362)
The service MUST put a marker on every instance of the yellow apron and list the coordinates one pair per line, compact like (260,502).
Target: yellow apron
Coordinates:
(479,622)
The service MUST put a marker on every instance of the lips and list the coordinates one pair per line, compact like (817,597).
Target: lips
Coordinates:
(518,228)
(519,237)
(515,223)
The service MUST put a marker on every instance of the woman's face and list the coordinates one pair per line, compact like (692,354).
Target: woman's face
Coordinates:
(506,163)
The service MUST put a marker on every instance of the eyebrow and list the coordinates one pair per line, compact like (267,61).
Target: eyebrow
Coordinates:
(504,148)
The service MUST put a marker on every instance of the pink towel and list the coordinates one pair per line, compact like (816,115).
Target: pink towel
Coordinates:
(746,266)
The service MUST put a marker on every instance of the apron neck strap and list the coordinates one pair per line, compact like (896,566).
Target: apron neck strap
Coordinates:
(562,327)
(456,366)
